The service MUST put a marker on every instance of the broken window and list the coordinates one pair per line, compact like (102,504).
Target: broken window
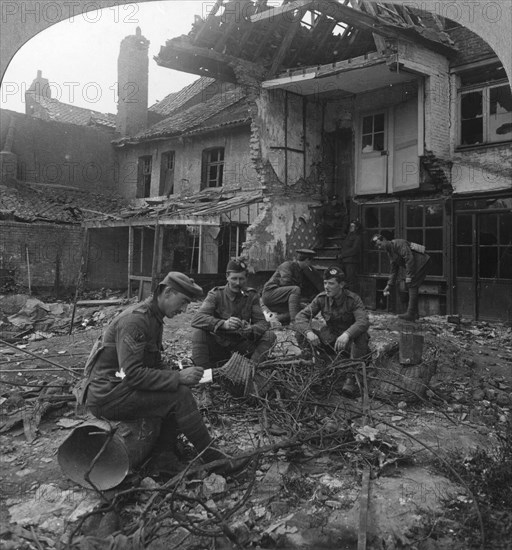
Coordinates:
(144,176)
(167,173)
(373,133)
(485,109)
(213,167)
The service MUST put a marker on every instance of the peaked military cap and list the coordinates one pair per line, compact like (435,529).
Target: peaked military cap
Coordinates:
(305,253)
(334,272)
(236,266)
(181,283)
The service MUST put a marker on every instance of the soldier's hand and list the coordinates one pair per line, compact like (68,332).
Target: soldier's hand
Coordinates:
(312,338)
(233,323)
(408,280)
(386,290)
(341,342)
(191,376)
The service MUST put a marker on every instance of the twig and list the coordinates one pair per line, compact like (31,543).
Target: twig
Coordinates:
(41,358)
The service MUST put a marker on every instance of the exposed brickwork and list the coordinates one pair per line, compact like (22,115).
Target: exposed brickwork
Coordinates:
(53,253)
(470,46)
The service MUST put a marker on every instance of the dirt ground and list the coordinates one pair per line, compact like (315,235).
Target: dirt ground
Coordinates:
(306,486)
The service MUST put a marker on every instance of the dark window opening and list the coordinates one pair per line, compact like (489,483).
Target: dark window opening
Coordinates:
(144,177)
(167,173)
(213,167)
(378,219)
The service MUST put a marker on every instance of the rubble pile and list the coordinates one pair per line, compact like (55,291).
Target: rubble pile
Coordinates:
(310,447)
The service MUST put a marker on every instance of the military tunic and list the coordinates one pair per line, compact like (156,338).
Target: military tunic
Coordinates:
(343,314)
(220,304)
(402,256)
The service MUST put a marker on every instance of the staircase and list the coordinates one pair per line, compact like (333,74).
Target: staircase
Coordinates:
(327,254)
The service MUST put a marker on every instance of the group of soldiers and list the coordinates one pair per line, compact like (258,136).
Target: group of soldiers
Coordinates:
(127,378)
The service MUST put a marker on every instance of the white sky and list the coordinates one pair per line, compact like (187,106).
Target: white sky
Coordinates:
(79,56)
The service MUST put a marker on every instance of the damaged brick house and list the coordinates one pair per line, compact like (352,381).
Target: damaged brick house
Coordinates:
(402,115)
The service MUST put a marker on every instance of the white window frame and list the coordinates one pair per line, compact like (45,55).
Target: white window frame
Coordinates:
(486,105)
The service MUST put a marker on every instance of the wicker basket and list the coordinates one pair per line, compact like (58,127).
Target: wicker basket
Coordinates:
(239,377)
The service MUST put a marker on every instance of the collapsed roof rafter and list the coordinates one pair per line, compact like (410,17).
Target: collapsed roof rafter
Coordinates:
(298,33)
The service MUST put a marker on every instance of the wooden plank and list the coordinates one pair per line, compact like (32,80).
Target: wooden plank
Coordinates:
(277,13)
(363,509)
(91,303)
(154,263)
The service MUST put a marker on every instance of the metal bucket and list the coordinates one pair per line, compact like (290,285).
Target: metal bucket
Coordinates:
(127,447)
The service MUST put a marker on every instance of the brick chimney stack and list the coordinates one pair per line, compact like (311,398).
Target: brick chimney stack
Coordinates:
(132,77)
(39,88)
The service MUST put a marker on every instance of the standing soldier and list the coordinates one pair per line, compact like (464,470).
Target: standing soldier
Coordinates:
(413,258)
(230,319)
(292,281)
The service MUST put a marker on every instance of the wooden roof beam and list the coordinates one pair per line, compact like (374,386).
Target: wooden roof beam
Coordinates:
(285,44)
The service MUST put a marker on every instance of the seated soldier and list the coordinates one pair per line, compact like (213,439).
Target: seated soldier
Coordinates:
(230,319)
(293,282)
(126,378)
(346,322)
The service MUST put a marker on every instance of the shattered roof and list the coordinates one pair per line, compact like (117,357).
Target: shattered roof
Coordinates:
(176,100)
(295,34)
(224,109)
(64,112)
(206,203)
(27,202)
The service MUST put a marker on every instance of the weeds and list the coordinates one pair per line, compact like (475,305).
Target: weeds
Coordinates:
(488,473)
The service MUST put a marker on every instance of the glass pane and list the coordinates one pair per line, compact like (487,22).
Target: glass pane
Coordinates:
(373,261)
(472,131)
(415,216)
(464,261)
(378,142)
(464,230)
(367,142)
(505,229)
(371,218)
(488,261)
(385,266)
(221,154)
(500,118)
(436,264)
(434,215)
(500,99)
(387,216)
(415,235)
(367,124)
(488,233)
(506,262)
(379,123)
(471,105)
(434,239)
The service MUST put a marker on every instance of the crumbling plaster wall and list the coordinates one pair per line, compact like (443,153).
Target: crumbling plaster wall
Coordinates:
(285,224)
(239,170)
(289,131)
